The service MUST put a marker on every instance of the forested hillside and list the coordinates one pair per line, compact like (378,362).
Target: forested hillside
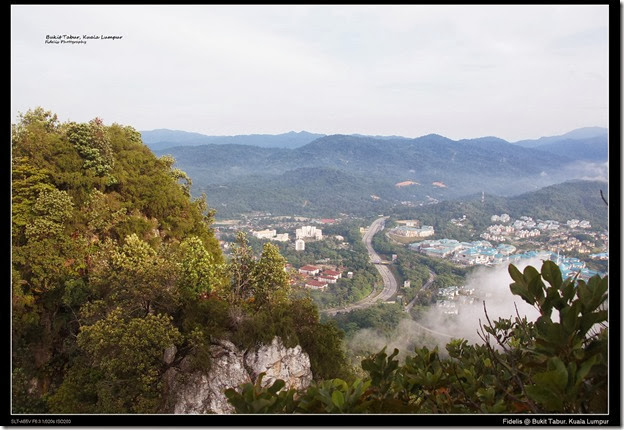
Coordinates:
(375,169)
(112,263)
(560,202)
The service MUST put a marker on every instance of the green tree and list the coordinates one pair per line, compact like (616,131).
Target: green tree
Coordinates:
(140,279)
(27,183)
(37,118)
(122,366)
(200,274)
(241,269)
(92,143)
(271,282)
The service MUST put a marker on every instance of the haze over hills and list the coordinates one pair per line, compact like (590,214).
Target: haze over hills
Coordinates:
(577,134)
(588,143)
(164,138)
(241,178)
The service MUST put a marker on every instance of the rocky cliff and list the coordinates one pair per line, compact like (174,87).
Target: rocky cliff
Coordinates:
(197,392)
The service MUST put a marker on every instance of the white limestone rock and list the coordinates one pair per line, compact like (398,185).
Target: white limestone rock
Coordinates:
(197,392)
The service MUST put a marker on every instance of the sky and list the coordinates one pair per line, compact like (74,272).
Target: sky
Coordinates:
(511,71)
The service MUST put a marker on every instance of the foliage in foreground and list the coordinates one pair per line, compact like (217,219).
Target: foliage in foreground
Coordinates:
(558,363)
(113,263)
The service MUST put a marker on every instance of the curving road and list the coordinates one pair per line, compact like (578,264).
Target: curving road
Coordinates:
(389,281)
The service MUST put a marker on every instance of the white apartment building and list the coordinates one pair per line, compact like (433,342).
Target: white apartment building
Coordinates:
(264,234)
(309,231)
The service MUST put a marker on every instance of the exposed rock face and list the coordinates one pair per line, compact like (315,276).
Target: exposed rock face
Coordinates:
(170,354)
(201,393)
(290,364)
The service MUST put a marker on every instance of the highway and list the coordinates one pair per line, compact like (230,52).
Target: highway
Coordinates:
(389,281)
(426,285)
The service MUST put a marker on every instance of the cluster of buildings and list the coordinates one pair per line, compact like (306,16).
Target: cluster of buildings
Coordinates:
(569,266)
(570,243)
(526,222)
(525,227)
(459,221)
(484,253)
(317,278)
(306,232)
(600,256)
(467,253)
(450,297)
(497,232)
(574,223)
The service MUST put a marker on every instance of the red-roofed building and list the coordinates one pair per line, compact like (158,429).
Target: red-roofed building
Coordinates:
(332,274)
(327,279)
(310,270)
(328,221)
(317,285)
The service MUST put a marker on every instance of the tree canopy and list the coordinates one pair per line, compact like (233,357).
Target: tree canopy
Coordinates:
(113,262)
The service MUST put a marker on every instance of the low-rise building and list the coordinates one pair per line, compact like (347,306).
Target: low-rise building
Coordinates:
(500,218)
(584,224)
(310,270)
(299,245)
(332,274)
(448,307)
(405,231)
(264,234)
(448,292)
(572,223)
(315,285)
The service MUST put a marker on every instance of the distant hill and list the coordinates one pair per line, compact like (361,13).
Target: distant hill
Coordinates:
(589,149)
(163,138)
(560,202)
(238,178)
(347,170)
(577,134)
(302,191)
(179,137)
(588,144)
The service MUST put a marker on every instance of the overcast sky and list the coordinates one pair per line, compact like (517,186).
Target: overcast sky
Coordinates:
(513,71)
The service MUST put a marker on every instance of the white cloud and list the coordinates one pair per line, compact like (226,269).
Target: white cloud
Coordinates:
(461,71)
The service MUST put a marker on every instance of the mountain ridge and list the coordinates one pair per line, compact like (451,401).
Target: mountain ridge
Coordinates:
(162,138)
